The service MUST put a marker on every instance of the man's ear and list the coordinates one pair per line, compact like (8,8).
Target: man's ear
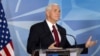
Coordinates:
(47,13)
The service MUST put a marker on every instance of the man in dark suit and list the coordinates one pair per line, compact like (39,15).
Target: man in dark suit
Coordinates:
(49,35)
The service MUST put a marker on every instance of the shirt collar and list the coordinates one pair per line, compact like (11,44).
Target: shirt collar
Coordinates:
(50,25)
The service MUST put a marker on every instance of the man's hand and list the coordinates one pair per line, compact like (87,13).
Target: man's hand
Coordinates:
(90,43)
(52,46)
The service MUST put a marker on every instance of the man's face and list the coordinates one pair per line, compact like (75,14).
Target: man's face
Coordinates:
(54,13)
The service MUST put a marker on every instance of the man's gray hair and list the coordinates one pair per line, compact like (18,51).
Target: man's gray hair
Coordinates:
(50,5)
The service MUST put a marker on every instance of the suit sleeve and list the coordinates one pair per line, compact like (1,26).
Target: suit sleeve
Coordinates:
(67,44)
(85,50)
(33,40)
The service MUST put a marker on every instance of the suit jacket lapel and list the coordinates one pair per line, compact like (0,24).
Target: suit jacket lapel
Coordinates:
(62,33)
(47,31)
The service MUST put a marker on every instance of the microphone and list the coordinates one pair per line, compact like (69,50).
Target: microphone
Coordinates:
(73,38)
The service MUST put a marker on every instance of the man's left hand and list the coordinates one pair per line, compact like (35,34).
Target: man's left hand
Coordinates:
(90,43)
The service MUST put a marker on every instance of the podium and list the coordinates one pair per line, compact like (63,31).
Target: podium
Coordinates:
(59,52)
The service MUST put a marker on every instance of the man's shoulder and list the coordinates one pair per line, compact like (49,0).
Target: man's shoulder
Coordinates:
(60,27)
(39,24)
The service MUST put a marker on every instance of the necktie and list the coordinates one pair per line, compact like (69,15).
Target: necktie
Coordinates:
(56,36)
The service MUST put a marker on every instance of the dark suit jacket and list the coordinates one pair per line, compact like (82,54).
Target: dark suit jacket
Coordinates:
(40,37)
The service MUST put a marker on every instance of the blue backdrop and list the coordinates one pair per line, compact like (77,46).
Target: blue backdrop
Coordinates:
(80,18)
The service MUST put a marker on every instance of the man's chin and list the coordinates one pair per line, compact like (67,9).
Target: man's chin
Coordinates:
(57,19)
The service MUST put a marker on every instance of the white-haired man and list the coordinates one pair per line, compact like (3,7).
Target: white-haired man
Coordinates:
(49,35)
